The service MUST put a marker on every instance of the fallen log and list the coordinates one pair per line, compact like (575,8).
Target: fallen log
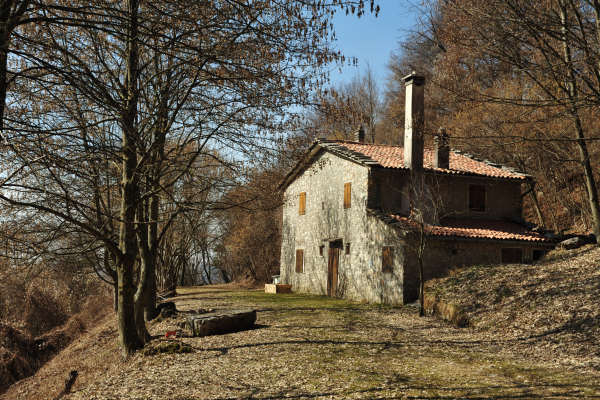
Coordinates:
(221,322)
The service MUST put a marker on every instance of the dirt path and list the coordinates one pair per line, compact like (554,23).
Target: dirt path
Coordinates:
(309,347)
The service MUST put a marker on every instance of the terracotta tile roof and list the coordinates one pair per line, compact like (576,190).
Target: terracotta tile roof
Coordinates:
(471,228)
(393,157)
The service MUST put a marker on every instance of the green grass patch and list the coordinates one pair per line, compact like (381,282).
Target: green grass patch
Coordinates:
(300,301)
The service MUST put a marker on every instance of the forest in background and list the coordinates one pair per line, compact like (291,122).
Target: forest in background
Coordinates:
(513,82)
(144,149)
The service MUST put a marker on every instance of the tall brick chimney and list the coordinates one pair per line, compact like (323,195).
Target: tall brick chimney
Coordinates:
(414,121)
(441,150)
(359,135)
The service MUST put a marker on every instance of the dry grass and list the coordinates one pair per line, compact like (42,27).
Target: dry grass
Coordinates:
(311,347)
(550,308)
(21,354)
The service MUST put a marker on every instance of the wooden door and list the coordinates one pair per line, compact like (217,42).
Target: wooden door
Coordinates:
(332,270)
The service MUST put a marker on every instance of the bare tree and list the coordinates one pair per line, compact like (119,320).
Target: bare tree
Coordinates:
(550,49)
(340,111)
(221,78)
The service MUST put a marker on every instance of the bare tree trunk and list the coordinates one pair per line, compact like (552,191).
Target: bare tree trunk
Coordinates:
(152,240)
(421,252)
(206,263)
(572,92)
(116,296)
(153,216)
(142,292)
(150,305)
(128,335)
(10,14)
(3,74)
(536,204)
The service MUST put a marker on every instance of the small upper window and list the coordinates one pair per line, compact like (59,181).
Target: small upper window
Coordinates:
(477,198)
(321,250)
(347,195)
(347,248)
(302,204)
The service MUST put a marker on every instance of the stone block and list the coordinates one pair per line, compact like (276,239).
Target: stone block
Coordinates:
(221,322)
(270,288)
(279,288)
(572,243)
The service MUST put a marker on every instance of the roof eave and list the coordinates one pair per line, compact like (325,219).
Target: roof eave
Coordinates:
(318,146)
(457,173)
(306,160)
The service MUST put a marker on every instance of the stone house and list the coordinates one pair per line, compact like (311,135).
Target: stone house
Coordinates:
(356,214)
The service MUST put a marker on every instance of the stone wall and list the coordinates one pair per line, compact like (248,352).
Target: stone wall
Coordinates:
(325,220)
(503,198)
(390,191)
(442,255)
(360,275)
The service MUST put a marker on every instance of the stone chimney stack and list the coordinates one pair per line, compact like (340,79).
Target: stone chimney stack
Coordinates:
(414,122)
(359,135)
(441,154)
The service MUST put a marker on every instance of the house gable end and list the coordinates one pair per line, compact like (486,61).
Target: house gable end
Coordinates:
(314,152)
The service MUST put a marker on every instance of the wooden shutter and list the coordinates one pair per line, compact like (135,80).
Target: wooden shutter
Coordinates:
(477,198)
(347,195)
(387,259)
(302,206)
(299,260)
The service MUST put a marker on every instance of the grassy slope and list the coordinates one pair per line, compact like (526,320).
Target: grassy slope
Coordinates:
(552,305)
(312,347)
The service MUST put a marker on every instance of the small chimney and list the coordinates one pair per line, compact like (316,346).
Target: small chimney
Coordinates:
(359,135)
(441,155)
(414,122)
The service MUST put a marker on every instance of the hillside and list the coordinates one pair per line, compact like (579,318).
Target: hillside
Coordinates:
(308,347)
(549,308)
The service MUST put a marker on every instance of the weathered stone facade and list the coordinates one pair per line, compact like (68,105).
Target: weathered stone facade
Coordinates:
(351,213)
(323,221)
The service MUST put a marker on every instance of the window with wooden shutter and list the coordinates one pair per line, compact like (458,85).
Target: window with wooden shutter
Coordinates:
(302,205)
(477,198)
(347,195)
(387,259)
(299,260)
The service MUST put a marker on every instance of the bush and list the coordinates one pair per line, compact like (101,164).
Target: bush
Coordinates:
(16,356)
(43,311)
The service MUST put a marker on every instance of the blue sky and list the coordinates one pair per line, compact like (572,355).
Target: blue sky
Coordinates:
(371,39)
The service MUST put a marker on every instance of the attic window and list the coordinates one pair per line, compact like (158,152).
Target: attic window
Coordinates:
(477,198)
(347,195)
(302,204)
